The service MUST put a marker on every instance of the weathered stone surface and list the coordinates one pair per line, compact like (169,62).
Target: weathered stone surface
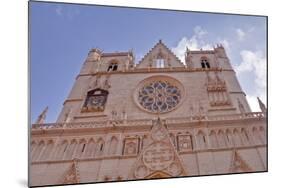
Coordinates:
(206,130)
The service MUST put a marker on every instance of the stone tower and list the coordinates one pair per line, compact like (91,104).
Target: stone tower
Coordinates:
(155,118)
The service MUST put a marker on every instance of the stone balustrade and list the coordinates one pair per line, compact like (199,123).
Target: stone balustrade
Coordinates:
(146,122)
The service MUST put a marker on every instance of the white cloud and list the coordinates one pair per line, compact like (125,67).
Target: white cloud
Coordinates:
(240,34)
(254,63)
(253,102)
(195,42)
(199,32)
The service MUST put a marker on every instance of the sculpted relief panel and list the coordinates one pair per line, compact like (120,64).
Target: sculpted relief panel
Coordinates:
(131,146)
(158,156)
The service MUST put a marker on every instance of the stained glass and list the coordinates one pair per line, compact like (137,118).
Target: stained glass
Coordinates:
(159,96)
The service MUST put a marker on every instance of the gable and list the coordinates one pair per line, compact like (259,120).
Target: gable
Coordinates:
(158,52)
(238,164)
(159,158)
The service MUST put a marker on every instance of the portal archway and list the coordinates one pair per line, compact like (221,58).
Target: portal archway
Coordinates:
(158,174)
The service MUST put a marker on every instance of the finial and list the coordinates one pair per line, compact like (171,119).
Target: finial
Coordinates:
(67,115)
(262,106)
(41,118)
(160,41)
(241,107)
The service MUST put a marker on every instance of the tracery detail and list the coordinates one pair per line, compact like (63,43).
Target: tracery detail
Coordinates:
(95,100)
(159,96)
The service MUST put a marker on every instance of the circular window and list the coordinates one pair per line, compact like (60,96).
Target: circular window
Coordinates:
(159,94)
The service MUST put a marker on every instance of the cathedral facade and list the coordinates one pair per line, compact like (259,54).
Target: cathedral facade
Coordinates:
(158,118)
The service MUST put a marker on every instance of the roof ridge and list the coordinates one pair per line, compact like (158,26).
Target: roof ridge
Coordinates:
(160,42)
(148,52)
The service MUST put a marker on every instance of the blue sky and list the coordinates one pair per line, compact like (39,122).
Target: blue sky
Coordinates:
(62,34)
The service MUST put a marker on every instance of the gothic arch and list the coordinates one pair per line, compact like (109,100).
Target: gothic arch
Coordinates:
(90,148)
(245,137)
(61,148)
(257,136)
(38,150)
(237,138)
(221,139)
(100,147)
(229,138)
(113,145)
(201,140)
(205,62)
(95,100)
(113,65)
(69,152)
(32,147)
(80,149)
(213,139)
(46,154)
(262,134)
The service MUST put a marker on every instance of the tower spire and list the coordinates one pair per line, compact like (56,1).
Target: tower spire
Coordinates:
(262,106)
(41,118)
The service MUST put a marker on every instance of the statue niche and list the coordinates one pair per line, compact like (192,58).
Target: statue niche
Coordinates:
(95,100)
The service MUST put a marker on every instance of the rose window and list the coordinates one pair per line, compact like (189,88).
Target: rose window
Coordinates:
(159,96)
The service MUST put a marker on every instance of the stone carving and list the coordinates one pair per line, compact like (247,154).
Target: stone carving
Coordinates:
(141,171)
(95,100)
(217,91)
(158,156)
(113,114)
(238,164)
(130,146)
(106,84)
(158,131)
(72,175)
(113,146)
(185,142)
(174,169)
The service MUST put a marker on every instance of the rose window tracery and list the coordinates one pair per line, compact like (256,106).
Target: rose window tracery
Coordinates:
(159,96)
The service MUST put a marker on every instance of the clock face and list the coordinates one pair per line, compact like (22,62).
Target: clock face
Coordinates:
(96,101)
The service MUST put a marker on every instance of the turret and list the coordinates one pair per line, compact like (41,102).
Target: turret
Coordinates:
(42,117)
(94,55)
(262,106)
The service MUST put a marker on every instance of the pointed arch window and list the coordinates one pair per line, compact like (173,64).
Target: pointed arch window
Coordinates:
(160,63)
(95,100)
(113,66)
(205,64)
